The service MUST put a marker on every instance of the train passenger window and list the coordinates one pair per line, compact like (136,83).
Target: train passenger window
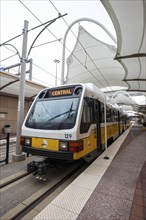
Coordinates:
(115,115)
(87,113)
(87,117)
(101,112)
(108,114)
(96,113)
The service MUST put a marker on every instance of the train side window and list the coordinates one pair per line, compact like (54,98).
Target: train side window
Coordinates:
(112,115)
(87,117)
(101,112)
(96,113)
(116,116)
(108,114)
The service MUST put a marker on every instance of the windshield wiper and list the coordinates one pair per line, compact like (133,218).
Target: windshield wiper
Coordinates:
(71,110)
(46,110)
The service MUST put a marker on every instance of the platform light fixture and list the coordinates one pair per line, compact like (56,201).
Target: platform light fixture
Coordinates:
(56,61)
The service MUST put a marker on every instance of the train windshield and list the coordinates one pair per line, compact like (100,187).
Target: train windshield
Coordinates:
(53,114)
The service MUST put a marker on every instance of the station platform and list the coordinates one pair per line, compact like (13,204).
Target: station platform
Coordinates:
(110,189)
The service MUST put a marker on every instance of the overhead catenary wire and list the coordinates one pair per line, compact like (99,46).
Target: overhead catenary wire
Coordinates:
(8,57)
(41,81)
(36,17)
(60,41)
(38,80)
(87,54)
(6,42)
(57,38)
(45,27)
(42,24)
(46,71)
(42,70)
(11,39)
(84,65)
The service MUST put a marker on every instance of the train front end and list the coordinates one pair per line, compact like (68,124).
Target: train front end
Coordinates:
(50,128)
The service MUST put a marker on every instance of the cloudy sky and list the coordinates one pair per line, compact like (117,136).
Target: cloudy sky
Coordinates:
(48,46)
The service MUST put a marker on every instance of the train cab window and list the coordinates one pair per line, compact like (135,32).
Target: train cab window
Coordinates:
(53,114)
(87,116)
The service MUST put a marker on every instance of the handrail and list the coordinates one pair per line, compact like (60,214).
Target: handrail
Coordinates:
(7,138)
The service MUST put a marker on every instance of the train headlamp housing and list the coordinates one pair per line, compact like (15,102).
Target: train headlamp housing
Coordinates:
(63,146)
(27,141)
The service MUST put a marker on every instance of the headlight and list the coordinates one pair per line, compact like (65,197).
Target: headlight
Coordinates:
(27,141)
(63,146)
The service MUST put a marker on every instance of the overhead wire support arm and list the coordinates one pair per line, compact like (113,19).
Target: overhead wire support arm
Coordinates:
(6,42)
(50,22)
(10,40)
(47,42)
(60,16)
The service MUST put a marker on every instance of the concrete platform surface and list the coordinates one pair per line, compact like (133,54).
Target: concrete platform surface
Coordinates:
(113,189)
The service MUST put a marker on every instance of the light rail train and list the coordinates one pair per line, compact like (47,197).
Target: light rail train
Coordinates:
(68,123)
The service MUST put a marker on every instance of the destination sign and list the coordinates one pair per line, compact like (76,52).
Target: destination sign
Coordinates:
(61,92)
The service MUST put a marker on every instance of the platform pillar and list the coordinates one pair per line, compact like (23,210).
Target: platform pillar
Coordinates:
(18,158)
(21,100)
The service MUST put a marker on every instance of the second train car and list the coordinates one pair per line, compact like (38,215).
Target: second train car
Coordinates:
(67,123)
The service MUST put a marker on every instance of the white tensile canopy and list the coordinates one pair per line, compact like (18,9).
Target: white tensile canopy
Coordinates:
(114,69)
(129,19)
(93,61)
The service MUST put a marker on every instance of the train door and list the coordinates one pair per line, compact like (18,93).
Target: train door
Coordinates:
(97,121)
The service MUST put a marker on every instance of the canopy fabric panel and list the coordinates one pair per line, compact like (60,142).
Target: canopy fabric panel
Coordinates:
(93,61)
(113,69)
(129,19)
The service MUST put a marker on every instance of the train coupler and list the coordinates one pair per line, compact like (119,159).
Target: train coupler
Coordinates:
(40,167)
(31,167)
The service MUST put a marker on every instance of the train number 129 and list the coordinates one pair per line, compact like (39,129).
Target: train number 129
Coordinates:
(68,136)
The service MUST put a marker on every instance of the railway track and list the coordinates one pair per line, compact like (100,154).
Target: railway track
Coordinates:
(14,179)
(45,190)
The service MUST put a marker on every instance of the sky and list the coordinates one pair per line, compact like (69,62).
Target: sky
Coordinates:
(13,14)
(48,46)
